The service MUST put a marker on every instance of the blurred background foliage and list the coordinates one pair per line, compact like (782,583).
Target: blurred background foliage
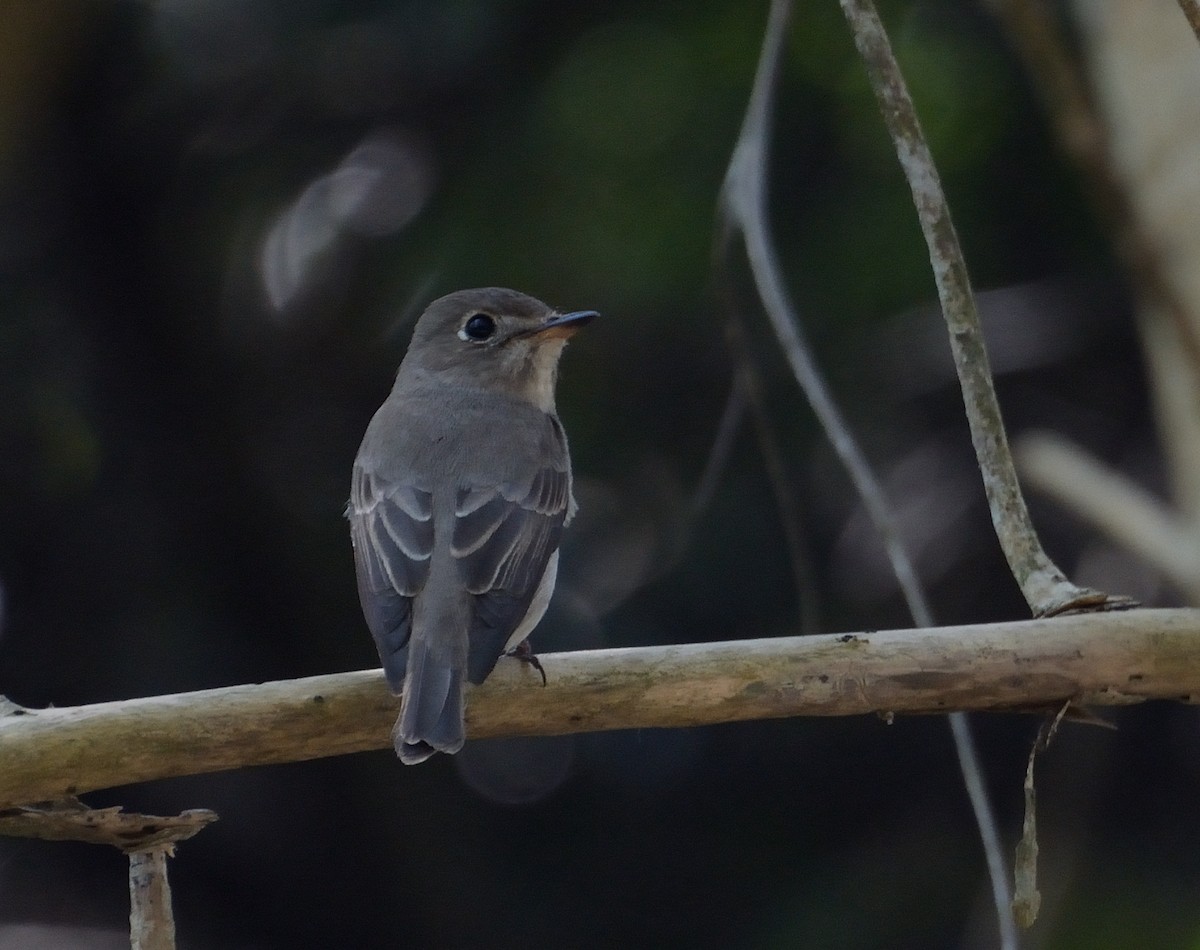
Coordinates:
(218,221)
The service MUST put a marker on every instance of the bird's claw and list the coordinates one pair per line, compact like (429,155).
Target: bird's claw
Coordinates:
(524,652)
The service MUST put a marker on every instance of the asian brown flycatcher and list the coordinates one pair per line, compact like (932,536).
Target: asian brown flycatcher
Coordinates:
(461,490)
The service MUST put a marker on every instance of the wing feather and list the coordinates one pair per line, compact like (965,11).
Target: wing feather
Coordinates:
(391,527)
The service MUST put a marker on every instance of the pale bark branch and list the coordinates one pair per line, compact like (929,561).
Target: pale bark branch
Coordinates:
(1046,588)
(151,918)
(1095,659)
(69,819)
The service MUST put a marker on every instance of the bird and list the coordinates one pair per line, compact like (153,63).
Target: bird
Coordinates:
(460,492)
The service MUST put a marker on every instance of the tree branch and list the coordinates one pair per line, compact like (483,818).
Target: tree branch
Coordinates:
(1100,659)
(1045,588)
(151,918)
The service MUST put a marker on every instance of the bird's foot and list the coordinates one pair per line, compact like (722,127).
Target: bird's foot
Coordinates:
(524,652)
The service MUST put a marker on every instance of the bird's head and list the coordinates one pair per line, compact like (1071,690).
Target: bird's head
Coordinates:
(493,338)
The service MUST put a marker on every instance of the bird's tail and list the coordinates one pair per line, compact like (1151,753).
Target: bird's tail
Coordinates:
(431,706)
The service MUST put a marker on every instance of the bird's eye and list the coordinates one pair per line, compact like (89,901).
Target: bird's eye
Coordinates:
(479,327)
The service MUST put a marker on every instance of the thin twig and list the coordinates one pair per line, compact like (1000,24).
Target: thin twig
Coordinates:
(721,451)
(1027,901)
(744,208)
(1046,589)
(749,384)
(807,597)
(989,832)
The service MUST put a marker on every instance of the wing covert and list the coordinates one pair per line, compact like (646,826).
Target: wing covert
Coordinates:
(503,538)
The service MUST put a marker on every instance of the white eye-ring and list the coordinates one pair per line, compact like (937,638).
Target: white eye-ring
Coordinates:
(479,327)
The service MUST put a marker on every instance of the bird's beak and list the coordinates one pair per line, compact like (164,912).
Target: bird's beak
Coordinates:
(563,325)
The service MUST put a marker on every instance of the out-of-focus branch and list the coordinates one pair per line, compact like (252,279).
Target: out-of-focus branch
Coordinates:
(1084,138)
(1191,10)
(1094,659)
(1123,510)
(748,390)
(1144,73)
(720,453)
(807,597)
(1046,589)
(743,209)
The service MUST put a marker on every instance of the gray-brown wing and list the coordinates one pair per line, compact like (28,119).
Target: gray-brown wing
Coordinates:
(391,527)
(503,538)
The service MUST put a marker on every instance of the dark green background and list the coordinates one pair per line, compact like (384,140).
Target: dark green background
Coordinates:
(175,454)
